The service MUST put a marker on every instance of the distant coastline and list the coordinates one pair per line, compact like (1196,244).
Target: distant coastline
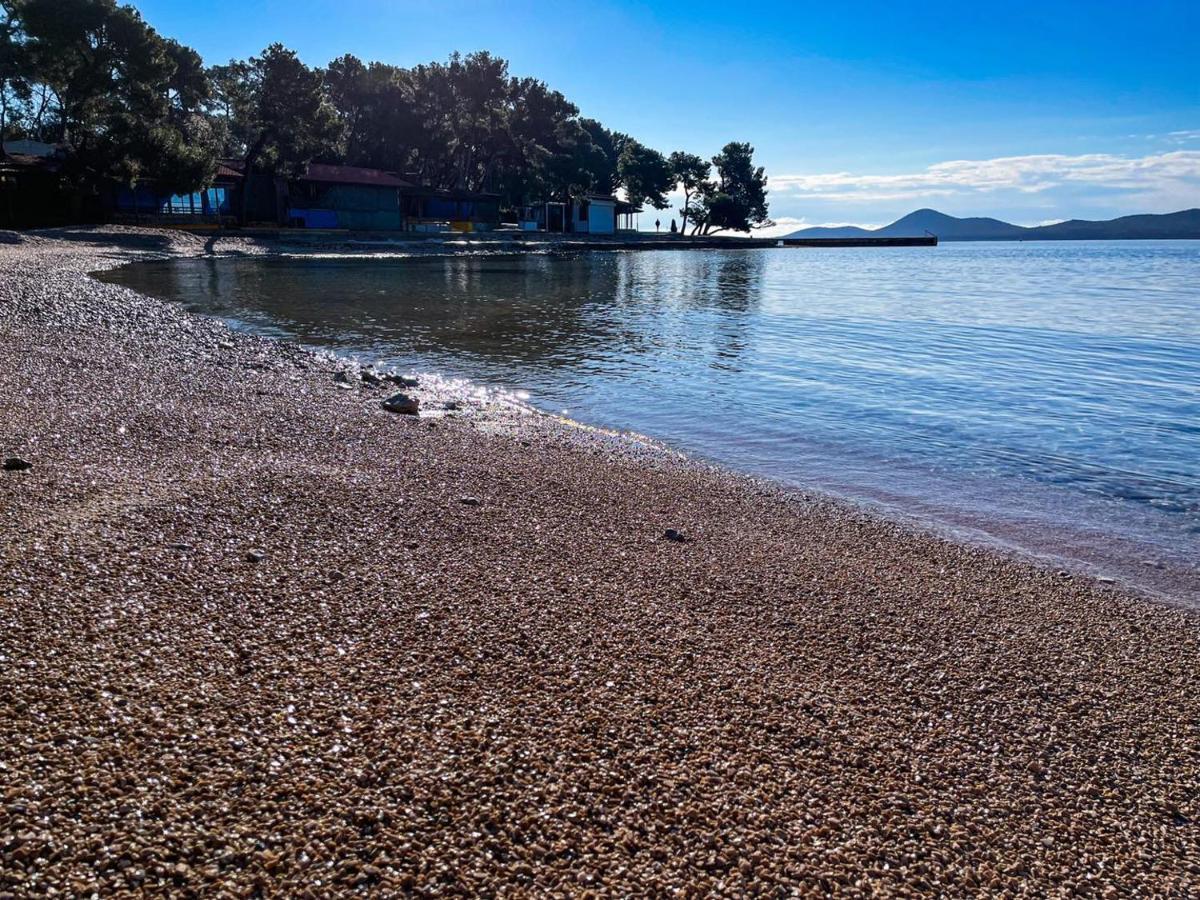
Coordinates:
(1182,225)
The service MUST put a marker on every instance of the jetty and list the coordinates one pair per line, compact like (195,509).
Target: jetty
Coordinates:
(929,240)
(527,240)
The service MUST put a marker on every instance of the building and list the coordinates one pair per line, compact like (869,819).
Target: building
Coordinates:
(594,214)
(212,206)
(356,198)
(35,191)
(32,148)
(347,197)
(590,214)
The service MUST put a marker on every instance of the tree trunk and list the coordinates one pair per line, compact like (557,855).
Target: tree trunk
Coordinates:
(247,168)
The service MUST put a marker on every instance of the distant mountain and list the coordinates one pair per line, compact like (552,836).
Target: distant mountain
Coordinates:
(843,231)
(1184,224)
(948,228)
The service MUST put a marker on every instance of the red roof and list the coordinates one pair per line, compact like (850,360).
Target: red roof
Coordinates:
(353,175)
(229,168)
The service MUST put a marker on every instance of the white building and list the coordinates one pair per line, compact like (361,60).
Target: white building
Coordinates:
(594,214)
(590,214)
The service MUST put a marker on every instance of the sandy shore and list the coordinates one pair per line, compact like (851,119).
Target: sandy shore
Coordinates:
(258,634)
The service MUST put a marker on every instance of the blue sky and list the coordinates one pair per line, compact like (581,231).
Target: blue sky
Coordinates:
(861,112)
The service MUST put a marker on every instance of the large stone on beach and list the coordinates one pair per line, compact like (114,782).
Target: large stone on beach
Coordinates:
(402,403)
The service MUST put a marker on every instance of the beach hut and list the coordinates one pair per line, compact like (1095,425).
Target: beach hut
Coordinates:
(356,198)
(347,197)
(594,214)
(33,192)
(430,209)
(589,214)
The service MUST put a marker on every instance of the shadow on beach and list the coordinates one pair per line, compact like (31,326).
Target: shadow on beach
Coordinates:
(132,239)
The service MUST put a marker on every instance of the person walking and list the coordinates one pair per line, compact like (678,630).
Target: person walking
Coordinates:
(674,227)
(657,225)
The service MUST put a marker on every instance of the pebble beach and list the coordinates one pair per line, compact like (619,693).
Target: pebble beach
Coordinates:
(263,636)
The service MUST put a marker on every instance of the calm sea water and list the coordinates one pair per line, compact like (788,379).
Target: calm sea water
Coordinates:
(1043,395)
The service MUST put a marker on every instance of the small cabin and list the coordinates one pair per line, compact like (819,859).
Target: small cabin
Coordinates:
(594,214)
(146,203)
(362,199)
(589,214)
(346,197)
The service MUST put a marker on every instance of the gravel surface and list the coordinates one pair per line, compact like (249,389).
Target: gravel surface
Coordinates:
(260,636)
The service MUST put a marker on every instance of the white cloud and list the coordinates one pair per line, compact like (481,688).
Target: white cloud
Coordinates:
(1184,137)
(1162,173)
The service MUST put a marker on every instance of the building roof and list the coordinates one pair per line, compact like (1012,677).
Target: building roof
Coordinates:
(229,168)
(32,148)
(353,175)
(326,173)
(25,162)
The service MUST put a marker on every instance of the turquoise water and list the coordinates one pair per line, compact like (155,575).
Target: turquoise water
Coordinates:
(1044,395)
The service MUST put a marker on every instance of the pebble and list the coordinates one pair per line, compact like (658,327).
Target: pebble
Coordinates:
(16,464)
(255,556)
(672,534)
(540,701)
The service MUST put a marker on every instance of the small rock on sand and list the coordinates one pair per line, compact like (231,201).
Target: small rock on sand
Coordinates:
(255,556)
(469,501)
(402,403)
(409,381)
(16,464)
(672,534)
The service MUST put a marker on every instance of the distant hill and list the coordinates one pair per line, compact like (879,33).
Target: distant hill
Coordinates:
(1184,224)
(948,228)
(844,231)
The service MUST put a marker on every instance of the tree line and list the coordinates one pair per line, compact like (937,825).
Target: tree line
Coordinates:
(128,104)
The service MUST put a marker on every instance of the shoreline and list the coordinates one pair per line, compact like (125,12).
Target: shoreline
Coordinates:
(1008,527)
(794,695)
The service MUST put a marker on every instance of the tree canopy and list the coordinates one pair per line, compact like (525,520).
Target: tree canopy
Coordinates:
(737,200)
(93,76)
(128,104)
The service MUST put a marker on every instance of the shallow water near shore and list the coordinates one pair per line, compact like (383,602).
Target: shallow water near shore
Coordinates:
(1045,396)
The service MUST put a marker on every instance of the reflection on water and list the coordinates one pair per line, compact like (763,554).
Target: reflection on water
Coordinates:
(1045,394)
